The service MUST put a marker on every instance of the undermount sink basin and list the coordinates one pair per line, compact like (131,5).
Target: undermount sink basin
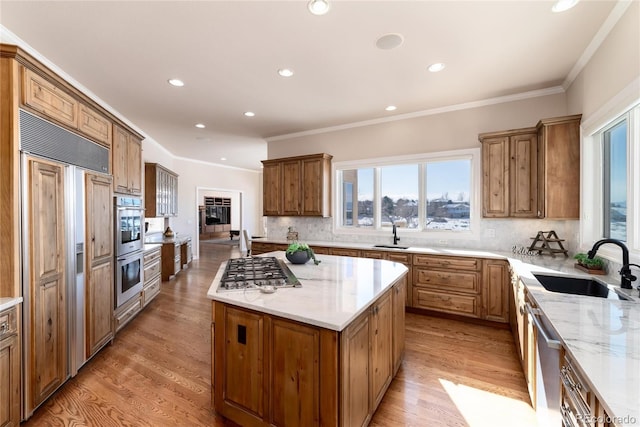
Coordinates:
(391,246)
(577,286)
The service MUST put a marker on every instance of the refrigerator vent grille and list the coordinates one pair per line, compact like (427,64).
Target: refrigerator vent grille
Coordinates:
(43,138)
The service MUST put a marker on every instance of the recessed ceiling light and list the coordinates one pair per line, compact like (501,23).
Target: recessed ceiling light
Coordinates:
(391,108)
(562,5)
(318,7)
(200,126)
(176,82)
(249,113)
(438,66)
(389,41)
(223,158)
(285,72)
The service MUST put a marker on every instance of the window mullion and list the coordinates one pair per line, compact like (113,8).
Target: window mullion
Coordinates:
(422,197)
(377,202)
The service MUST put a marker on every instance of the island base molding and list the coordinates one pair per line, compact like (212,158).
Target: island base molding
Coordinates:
(272,371)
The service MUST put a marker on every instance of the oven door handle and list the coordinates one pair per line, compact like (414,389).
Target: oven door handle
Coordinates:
(534,313)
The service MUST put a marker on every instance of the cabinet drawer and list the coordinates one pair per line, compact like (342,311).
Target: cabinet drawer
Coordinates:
(373,254)
(465,305)
(345,252)
(8,323)
(457,263)
(403,258)
(46,98)
(151,269)
(128,312)
(152,255)
(150,291)
(447,280)
(177,265)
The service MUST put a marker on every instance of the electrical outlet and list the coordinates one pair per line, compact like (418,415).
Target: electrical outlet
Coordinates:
(443,241)
(490,232)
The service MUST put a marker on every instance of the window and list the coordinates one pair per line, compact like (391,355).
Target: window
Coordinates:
(428,193)
(610,205)
(614,141)
(448,186)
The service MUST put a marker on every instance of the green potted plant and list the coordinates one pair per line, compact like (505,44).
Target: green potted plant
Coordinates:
(595,265)
(300,253)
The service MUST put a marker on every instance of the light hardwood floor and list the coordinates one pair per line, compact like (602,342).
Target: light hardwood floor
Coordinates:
(157,371)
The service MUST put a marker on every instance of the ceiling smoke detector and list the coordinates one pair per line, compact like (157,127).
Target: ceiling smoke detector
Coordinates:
(389,41)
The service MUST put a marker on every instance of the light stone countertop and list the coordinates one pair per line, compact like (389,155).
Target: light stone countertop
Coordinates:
(332,295)
(8,302)
(601,335)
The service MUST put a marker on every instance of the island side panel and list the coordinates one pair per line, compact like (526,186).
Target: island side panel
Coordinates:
(329,378)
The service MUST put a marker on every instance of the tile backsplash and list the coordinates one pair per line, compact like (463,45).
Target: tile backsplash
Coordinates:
(505,233)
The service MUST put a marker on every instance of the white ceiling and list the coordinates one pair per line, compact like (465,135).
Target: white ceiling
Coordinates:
(228,54)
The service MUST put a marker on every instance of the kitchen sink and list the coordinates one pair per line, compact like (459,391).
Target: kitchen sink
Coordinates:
(578,286)
(391,246)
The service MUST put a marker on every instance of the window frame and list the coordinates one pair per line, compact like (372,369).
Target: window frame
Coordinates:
(625,106)
(440,236)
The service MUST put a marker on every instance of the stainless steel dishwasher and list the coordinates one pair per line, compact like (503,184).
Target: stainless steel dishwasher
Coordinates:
(548,349)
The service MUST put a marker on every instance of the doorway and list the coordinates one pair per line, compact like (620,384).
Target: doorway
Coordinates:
(218,217)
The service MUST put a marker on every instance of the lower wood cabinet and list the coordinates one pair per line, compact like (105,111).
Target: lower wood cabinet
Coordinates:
(171,262)
(186,253)
(9,368)
(151,287)
(270,371)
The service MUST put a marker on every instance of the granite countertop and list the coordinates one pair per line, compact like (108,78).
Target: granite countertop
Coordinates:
(8,302)
(332,295)
(601,335)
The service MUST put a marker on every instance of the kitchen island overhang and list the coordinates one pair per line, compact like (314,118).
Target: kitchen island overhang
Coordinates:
(321,354)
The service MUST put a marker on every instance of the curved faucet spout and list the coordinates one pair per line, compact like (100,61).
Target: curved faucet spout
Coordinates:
(625,272)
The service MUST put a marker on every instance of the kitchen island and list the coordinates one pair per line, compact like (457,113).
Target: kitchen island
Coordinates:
(321,354)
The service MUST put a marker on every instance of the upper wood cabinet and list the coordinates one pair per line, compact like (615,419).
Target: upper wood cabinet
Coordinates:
(42,96)
(559,167)
(161,191)
(509,166)
(532,172)
(297,186)
(127,162)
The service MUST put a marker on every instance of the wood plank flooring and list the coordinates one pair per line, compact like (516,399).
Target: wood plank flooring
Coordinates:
(157,371)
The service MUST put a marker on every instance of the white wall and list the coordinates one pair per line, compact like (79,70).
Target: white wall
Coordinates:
(194,175)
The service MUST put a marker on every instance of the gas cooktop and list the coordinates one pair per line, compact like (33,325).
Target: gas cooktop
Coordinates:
(264,273)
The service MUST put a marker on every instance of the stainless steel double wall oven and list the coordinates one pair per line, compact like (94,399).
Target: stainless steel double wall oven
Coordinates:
(129,231)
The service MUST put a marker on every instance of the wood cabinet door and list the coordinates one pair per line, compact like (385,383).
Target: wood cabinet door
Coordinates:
(244,380)
(134,165)
(99,307)
(355,373)
(95,125)
(399,298)
(495,177)
(523,176)
(559,168)
(47,310)
(272,189)
(312,187)
(381,347)
(10,382)
(295,374)
(99,259)
(291,187)
(495,288)
(120,163)
(99,216)
(46,98)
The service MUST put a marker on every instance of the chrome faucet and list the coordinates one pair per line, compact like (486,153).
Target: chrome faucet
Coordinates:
(396,239)
(625,272)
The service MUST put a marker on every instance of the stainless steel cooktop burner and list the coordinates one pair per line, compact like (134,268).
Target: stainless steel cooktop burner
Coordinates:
(257,272)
